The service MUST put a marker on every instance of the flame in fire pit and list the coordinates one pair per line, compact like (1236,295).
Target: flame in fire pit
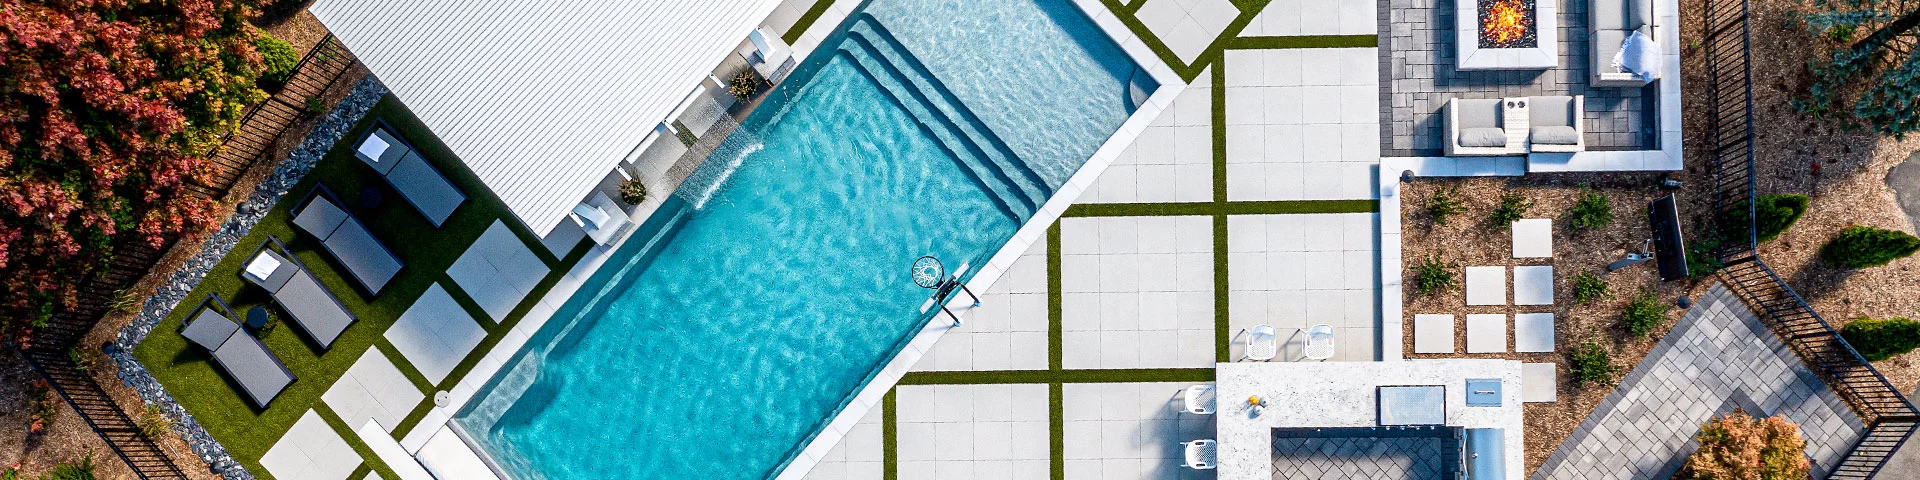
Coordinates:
(1506,21)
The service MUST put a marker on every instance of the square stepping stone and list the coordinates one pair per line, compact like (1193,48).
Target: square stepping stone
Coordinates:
(1486,285)
(311,450)
(1486,333)
(435,334)
(1533,238)
(1533,332)
(1539,382)
(1433,333)
(373,389)
(497,271)
(1533,285)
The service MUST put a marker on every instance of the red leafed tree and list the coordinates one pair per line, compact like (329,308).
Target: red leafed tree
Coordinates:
(108,110)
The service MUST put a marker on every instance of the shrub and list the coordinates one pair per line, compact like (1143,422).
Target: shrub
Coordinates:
(1590,363)
(1512,208)
(155,422)
(1444,203)
(277,59)
(1589,288)
(1701,262)
(1881,339)
(1737,446)
(743,85)
(1775,213)
(1431,276)
(1643,313)
(81,360)
(633,191)
(1861,246)
(40,407)
(1592,210)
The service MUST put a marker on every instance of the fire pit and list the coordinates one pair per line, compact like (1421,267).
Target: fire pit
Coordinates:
(1507,24)
(1507,34)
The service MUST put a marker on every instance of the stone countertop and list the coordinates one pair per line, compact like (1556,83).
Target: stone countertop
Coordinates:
(1342,394)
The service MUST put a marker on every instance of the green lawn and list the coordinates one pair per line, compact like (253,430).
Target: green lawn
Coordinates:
(215,401)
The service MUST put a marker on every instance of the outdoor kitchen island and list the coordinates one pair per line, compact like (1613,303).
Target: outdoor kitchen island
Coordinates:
(1410,419)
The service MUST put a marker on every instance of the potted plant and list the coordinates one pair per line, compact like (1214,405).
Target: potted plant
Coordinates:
(633,191)
(743,85)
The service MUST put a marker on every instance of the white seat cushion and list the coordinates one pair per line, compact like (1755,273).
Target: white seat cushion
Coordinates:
(1555,136)
(1483,137)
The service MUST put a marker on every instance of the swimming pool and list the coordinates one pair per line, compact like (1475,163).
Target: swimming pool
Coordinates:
(719,341)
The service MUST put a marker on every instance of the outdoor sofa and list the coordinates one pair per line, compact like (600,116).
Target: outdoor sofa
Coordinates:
(368,261)
(1480,126)
(418,182)
(1612,22)
(311,307)
(1477,126)
(259,372)
(1555,124)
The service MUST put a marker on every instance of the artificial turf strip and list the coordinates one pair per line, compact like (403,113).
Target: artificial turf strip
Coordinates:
(1057,429)
(1055,304)
(1222,293)
(214,401)
(1304,41)
(889,437)
(1147,38)
(998,377)
(1273,207)
(800,27)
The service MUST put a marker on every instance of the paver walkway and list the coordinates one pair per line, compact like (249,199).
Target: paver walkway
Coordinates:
(1717,358)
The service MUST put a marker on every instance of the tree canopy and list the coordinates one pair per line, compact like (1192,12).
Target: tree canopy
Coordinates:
(108,111)
(1869,69)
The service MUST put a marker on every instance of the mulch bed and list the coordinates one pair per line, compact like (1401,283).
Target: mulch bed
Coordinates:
(1469,239)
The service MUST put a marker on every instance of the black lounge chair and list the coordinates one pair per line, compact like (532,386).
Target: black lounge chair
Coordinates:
(370,263)
(259,372)
(416,180)
(307,301)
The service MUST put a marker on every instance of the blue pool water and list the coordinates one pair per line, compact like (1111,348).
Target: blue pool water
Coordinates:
(752,307)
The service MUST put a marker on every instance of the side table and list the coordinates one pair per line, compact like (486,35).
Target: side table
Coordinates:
(1516,121)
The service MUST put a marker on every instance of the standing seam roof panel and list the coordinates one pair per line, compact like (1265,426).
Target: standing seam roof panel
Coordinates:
(541,99)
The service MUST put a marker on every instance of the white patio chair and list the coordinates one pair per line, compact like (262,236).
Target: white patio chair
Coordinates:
(1319,343)
(1201,454)
(1198,399)
(1263,343)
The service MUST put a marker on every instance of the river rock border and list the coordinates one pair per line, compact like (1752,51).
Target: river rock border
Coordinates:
(342,118)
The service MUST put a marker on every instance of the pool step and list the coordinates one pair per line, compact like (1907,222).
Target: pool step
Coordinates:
(992,148)
(1014,202)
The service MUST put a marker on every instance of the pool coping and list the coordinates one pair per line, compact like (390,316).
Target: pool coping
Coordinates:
(873,394)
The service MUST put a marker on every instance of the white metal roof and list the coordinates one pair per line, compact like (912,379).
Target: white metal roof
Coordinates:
(541,98)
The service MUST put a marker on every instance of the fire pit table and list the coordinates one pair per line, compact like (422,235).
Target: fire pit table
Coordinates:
(1507,34)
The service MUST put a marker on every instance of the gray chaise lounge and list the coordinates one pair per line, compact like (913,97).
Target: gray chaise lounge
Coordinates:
(260,374)
(416,180)
(370,262)
(306,300)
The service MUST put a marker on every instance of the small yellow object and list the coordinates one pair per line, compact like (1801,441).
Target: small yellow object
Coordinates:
(1253,400)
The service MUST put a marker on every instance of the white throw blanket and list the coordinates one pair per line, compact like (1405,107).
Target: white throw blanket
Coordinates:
(1639,55)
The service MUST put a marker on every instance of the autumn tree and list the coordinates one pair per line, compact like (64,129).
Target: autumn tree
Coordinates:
(1869,69)
(1739,447)
(108,111)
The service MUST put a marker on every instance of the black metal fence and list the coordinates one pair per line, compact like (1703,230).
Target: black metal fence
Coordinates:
(1734,242)
(50,351)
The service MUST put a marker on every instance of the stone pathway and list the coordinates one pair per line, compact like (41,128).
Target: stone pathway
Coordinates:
(1717,358)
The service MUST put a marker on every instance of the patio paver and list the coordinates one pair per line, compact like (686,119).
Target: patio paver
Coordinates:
(498,270)
(1126,431)
(373,388)
(1187,26)
(1294,271)
(1137,292)
(311,450)
(1433,333)
(1539,382)
(1289,18)
(1171,161)
(1302,124)
(1486,333)
(1486,285)
(1008,331)
(972,431)
(1533,285)
(1533,238)
(435,334)
(1533,332)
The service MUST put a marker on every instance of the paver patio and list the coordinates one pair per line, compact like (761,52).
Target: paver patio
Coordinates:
(860,456)
(1287,18)
(1302,124)
(1137,292)
(1187,26)
(1296,271)
(973,431)
(1126,431)
(1717,358)
(1171,160)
